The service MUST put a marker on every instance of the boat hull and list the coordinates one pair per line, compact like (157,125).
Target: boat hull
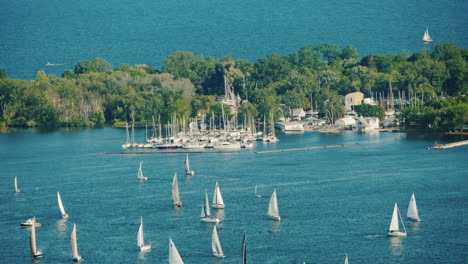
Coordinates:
(217,206)
(276,218)
(209,219)
(38,254)
(218,255)
(191,172)
(414,219)
(396,234)
(145,247)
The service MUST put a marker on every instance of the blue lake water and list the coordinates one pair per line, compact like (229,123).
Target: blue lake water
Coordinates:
(332,201)
(33,33)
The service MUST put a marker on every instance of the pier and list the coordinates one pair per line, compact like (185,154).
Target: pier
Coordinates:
(170,152)
(318,147)
(449,145)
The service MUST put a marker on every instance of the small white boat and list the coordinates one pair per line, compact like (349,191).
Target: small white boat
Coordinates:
(225,145)
(205,215)
(74,246)
(17,190)
(188,170)
(140,172)
(32,239)
(346,259)
(394,229)
(273,210)
(62,209)
(413,210)
(31,222)
(426,37)
(218,202)
(175,191)
(141,237)
(174,256)
(256,194)
(216,244)
(244,249)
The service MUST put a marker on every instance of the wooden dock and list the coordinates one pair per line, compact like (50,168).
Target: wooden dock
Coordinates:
(318,147)
(449,145)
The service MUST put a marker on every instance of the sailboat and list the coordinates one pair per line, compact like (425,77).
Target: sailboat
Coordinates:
(205,215)
(346,259)
(141,238)
(426,37)
(413,210)
(175,191)
(74,245)
(216,245)
(244,249)
(256,194)
(394,229)
(140,172)
(31,222)
(188,171)
(218,202)
(17,190)
(273,210)
(62,209)
(35,252)
(174,256)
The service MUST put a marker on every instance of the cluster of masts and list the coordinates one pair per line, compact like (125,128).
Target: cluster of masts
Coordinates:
(199,135)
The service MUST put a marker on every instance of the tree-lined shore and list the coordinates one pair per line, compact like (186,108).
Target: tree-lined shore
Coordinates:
(434,84)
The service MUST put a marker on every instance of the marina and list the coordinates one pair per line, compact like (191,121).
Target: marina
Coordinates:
(349,193)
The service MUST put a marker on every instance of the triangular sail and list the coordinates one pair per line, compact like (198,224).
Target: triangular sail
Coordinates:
(174,257)
(346,259)
(32,239)
(217,197)
(394,223)
(412,208)
(175,190)
(207,205)
(426,36)
(59,199)
(187,163)
(16,185)
(244,249)
(140,235)
(216,244)
(273,206)
(74,244)
(140,171)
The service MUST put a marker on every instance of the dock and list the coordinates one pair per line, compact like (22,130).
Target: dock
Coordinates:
(449,145)
(168,152)
(307,148)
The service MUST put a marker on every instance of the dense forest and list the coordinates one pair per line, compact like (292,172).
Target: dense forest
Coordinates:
(433,82)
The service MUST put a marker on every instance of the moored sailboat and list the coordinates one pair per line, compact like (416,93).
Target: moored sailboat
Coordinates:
(74,245)
(174,256)
(394,229)
(273,210)
(140,172)
(426,37)
(205,215)
(413,210)
(32,239)
(188,170)
(141,238)
(218,202)
(62,209)
(175,191)
(216,244)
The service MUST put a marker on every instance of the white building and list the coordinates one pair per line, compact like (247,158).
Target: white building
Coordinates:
(290,126)
(367,124)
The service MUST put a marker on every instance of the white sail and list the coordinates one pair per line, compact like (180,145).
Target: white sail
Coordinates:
(174,257)
(256,194)
(394,229)
(16,185)
(273,210)
(140,234)
(74,245)
(62,209)
(426,37)
(216,244)
(346,259)
(187,163)
(175,191)
(206,207)
(413,209)
(36,253)
(140,172)
(217,197)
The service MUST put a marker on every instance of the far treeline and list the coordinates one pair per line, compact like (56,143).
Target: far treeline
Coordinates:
(432,82)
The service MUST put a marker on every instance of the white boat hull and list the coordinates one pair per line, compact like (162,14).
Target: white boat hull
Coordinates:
(414,219)
(396,234)
(145,248)
(209,219)
(218,206)
(190,172)
(218,255)
(276,218)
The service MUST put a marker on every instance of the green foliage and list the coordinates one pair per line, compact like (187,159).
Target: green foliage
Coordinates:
(94,65)
(370,111)
(3,74)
